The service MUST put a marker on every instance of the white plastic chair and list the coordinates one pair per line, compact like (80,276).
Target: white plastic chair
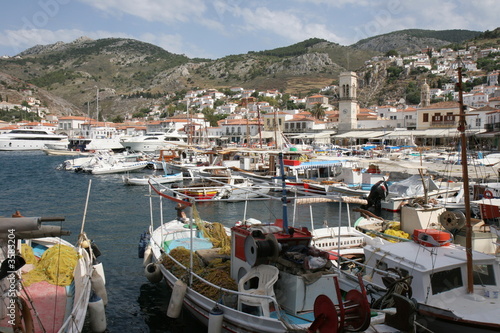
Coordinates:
(267,276)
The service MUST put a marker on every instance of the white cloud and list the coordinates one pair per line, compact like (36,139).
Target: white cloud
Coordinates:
(283,23)
(169,12)
(20,40)
(340,3)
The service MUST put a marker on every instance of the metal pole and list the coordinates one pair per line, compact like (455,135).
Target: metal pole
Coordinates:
(86,205)
(465,176)
(283,192)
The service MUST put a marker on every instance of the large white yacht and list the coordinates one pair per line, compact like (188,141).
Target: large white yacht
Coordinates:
(93,138)
(153,141)
(29,139)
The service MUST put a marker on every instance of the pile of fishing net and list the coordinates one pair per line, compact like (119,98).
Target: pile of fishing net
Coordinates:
(393,228)
(215,232)
(217,272)
(56,266)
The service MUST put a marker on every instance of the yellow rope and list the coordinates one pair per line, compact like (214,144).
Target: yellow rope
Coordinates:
(56,266)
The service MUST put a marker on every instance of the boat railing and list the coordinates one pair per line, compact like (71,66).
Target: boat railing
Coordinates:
(364,267)
(222,289)
(83,296)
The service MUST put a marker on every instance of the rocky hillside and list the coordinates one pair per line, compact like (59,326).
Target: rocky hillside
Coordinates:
(413,40)
(131,75)
(124,67)
(15,91)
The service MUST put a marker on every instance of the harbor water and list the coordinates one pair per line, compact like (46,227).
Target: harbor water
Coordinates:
(116,216)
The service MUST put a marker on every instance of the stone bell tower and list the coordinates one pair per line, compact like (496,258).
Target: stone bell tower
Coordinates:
(425,95)
(348,105)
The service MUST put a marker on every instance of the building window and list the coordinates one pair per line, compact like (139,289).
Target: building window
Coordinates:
(425,118)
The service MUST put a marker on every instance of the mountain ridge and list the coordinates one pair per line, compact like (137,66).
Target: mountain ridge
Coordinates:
(122,67)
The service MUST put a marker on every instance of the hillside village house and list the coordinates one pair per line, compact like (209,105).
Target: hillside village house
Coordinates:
(315,99)
(276,120)
(71,124)
(228,108)
(236,130)
(438,115)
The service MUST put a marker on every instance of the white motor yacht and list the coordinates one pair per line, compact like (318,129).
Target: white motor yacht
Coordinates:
(153,141)
(29,139)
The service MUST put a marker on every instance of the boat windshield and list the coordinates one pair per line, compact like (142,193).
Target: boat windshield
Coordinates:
(484,275)
(446,280)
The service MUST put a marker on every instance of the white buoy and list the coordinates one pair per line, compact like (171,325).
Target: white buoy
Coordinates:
(100,269)
(176,299)
(148,254)
(97,283)
(153,273)
(215,318)
(97,314)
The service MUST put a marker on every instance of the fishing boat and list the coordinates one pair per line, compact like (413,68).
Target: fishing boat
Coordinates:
(340,242)
(161,179)
(106,163)
(455,288)
(229,188)
(417,186)
(352,181)
(49,284)
(268,277)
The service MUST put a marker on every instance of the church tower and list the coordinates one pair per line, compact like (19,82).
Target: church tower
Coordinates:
(348,105)
(425,95)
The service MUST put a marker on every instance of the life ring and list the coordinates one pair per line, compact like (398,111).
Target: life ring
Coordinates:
(488,194)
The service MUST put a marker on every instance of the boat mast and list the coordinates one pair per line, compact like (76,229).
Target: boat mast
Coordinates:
(275,130)
(97,105)
(465,176)
(283,193)
(260,130)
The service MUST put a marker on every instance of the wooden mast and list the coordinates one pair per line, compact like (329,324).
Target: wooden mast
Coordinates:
(465,176)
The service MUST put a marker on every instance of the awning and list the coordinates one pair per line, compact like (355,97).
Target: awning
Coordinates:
(317,164)
(266,135)
(488,134)
(312,135)
(361,134)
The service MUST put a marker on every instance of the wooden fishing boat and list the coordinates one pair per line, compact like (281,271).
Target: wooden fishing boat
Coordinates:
(229,188)
(269,278)
(455,288)
(160,179)
(47,283)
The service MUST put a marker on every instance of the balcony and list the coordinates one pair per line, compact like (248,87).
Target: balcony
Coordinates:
(443,122)
(492,127)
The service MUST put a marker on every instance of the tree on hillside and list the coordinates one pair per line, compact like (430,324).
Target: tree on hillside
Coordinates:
(118,119)
(318,111)
(412,93)
(211,117)
(392,53)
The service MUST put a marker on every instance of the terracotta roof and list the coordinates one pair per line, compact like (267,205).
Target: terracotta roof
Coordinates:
(486,108)
(74,118)
(442,105)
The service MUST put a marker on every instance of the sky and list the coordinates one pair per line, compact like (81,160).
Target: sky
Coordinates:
(217,28)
